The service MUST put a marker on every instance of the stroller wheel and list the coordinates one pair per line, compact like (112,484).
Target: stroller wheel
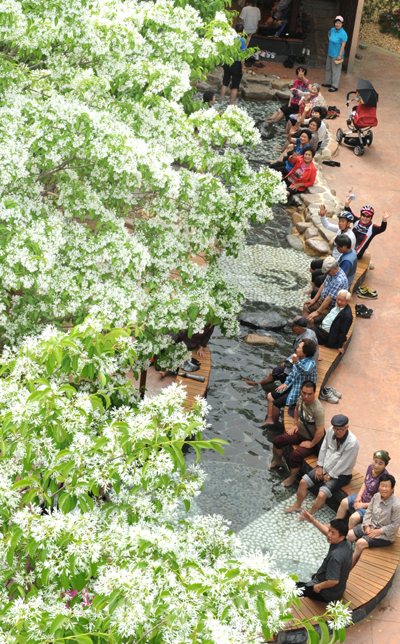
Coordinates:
(358,151)
(339,135)
(369,138)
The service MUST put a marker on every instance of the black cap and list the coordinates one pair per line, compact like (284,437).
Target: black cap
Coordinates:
(339,420)
(298,321)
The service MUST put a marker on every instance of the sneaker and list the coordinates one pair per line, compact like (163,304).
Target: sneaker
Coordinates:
(328,397)
(365,289)
(333,391)
(367,295)
(362,307)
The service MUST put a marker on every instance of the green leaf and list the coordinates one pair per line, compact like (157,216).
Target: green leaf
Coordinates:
(38,394)
(231,574)
(56,623)
(325,637)
(83,639)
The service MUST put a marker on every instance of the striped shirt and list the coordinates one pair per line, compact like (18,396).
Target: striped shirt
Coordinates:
(305,369)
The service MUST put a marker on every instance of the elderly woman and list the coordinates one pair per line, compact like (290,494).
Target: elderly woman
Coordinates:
(285,163)
(300,85)
(303,174)
(334,61)
(358,503)
(313,98)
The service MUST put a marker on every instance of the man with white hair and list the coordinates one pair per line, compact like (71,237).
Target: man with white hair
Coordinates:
(332,332)
(323,299)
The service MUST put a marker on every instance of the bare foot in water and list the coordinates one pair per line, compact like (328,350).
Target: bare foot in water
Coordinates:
(267,422)
(250,382)
(277,463)
(293,508)
(289,481)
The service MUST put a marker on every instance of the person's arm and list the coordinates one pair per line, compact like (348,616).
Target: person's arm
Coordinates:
(305,365)
(322,452)
(325,304)
(295,427)
(390,530)
(342,46)
(329,583)
(377,230)
(311,519)
(317,296)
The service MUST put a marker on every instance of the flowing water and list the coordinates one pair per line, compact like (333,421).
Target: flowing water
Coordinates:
(240,486)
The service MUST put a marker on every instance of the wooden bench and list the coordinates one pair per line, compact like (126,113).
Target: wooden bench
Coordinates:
(372,577)
(193,387)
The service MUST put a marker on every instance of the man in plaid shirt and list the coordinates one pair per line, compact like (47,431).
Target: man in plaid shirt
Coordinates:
(325,297)
(304,368)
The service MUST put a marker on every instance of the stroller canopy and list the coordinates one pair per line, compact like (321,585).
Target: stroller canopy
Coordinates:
(367,92)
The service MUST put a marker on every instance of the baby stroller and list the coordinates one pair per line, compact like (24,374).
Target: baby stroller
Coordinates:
(361,119)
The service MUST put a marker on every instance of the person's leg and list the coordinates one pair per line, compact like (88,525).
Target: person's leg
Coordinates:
(225,81)
(354,520)
(308,591)
(236,70)
(343,508)
(296,458)
(360,546)
(336,72)
(318,503)
(322,337)
(309,308)
(301,495)
(273,412)
(281,441)
(328,70)
(316,264)
(233,96)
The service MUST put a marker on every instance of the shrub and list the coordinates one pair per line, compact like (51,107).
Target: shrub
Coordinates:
(389,22)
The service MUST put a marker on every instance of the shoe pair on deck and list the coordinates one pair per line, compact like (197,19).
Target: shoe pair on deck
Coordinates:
(330,394)
(362,311)
(366,293)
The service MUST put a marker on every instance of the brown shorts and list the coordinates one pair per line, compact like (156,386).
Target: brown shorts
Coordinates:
(314,307)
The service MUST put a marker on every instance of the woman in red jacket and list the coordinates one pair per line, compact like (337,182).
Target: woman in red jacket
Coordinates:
(303,174)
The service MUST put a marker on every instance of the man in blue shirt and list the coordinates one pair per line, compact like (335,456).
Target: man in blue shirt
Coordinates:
(235,71)
(337,41)
(348,258)
(304,368)
(325,297)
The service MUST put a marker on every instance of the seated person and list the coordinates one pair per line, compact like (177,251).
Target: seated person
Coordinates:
(303,174)
(299,85)
(306,433)
(304,368)
(345,218)
(308,103)
(332,332)
(319,112)
(324,298)
(299,328)
(348,257)
(279,13)
(286,162)
(336,459)
(209,99)
(250,17)
(381,520)
(358,503)
(364,230)
(329,582)
(295,132)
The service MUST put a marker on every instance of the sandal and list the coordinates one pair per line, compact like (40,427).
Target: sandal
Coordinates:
(364,314)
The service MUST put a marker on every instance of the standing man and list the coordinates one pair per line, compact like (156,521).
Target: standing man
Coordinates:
(304,368)
(381,521)
(251,16)
(235,71)
(299,328)
(336,459)
(305,434)
(329,583)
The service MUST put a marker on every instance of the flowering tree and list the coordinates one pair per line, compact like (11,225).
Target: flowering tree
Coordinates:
(112,179)
(90,479)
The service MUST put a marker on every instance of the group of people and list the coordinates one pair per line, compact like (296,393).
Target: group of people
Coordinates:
(326,320)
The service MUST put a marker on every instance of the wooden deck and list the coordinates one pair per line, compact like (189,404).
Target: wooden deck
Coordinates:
(369,580)
(193,387)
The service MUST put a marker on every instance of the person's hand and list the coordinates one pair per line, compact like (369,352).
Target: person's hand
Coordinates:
(386,215)
(313,315)
(341,350)
(322,211)
(308,302)
(319,474)
(293,430)
(347,202)
(326,478)
(201,352)
(375,533)
(307,444)
(293,130)
(367,530)
(357,504)
(295,358)
(281,388)
(317,588)
(308,517)
(307,107)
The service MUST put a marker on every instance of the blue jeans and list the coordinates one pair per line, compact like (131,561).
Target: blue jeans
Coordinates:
(351,500)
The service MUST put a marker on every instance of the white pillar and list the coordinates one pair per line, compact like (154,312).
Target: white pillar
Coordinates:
(354,40)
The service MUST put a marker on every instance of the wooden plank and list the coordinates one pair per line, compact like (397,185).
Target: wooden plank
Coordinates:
(193,387)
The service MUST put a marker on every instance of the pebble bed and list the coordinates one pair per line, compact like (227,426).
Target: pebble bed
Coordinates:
(239,485)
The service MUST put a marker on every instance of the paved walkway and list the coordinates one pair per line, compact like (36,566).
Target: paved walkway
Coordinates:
(369,374)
